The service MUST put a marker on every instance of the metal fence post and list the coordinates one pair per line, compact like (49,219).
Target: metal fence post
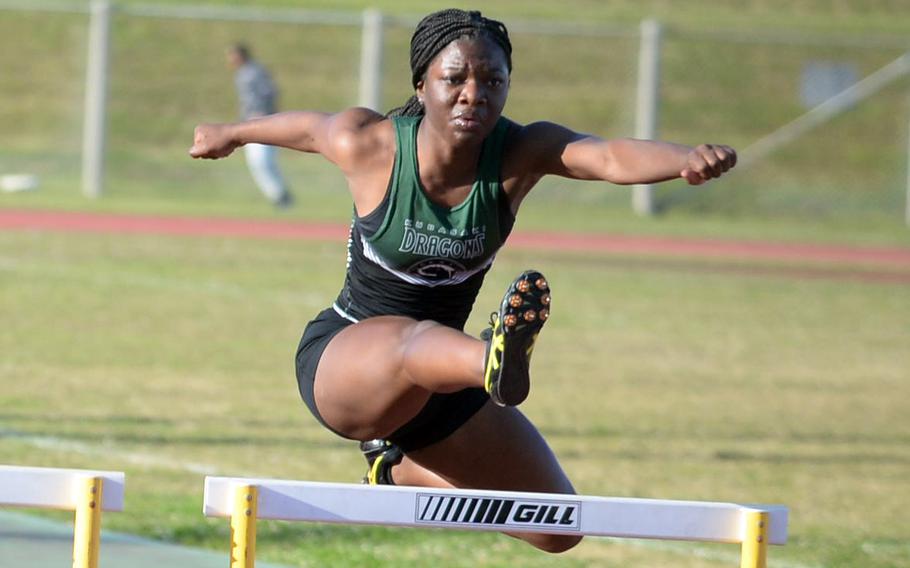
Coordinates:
(371,61)
(93,132)
(907,199)
(647,104)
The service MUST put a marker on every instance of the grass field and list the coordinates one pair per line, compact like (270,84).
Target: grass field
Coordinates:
(171,357)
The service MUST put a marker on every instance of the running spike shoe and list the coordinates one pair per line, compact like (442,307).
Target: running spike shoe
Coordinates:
(381,455)
(511,336)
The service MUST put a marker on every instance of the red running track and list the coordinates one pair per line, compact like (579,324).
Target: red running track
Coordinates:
(896,258)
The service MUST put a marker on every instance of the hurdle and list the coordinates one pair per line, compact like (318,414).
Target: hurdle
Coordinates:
(86,492)
(245,500)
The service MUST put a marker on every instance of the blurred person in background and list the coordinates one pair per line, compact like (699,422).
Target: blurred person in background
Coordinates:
(436,186)
(258,97)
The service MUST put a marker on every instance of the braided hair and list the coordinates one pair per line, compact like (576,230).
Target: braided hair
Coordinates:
(438,30)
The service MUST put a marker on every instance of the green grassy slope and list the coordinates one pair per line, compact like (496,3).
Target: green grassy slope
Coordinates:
(167,75)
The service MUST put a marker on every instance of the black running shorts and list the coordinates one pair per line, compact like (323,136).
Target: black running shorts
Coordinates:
(439,418)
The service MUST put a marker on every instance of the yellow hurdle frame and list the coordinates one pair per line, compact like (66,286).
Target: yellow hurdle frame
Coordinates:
(87,529)
(243,527)
(86,492)
(754,535)
(755,540)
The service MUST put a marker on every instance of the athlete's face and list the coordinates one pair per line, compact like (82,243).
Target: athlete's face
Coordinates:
(465,88)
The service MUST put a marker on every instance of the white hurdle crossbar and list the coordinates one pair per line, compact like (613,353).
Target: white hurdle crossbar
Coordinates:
(244,500)
(86,492)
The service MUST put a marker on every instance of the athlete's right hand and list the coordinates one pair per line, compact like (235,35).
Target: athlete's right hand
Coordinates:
(213,141)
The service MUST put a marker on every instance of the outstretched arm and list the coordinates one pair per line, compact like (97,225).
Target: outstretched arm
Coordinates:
(295,130)
(359,141)
(328,134)
(563,152)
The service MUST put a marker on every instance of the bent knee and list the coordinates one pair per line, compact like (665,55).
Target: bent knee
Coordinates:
(556,544)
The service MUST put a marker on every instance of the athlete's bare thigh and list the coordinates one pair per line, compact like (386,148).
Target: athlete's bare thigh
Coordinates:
(376,375)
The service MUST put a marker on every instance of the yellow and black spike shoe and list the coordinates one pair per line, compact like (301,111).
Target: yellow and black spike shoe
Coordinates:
(381,455)
(511,336)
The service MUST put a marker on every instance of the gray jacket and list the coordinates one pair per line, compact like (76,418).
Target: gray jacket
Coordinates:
(257,93)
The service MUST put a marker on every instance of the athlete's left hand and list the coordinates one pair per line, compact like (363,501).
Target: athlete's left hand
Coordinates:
(213,141)
(708,161)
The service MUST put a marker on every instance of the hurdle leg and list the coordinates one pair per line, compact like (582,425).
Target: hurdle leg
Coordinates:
(87,530)
(243,527)
(755,539)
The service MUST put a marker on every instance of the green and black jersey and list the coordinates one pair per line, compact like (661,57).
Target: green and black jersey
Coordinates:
(415,258)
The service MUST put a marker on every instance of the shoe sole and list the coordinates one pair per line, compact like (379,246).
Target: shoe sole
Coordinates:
(523,311)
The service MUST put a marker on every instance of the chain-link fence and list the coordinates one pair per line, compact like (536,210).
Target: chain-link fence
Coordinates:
(167,72)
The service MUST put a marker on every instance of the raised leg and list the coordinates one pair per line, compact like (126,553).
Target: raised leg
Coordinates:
(498,448)
(376,375)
